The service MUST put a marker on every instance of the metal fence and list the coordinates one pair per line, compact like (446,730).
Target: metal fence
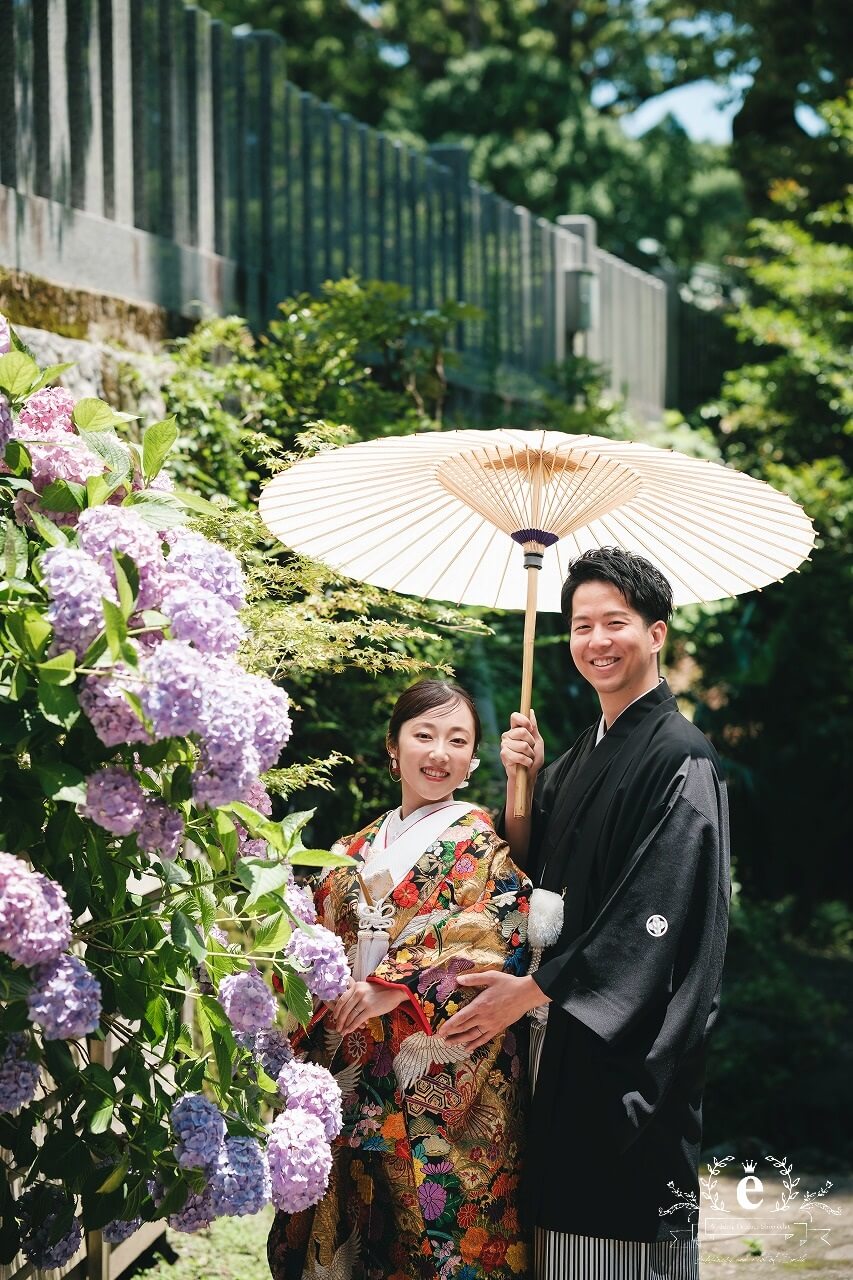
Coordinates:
(149,152)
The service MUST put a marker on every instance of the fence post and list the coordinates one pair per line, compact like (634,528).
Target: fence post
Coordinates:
(585,229)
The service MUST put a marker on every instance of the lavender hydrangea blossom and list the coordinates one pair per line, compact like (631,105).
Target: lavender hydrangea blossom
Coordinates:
(194,557)
(5,336)
(301,903)
(272,1049)
(321,956)
(106,529)
(35,919)
(119,1230)
(161,829)
(174,678)
(202,619)
(19,1075)
(300,1160)
(6,424)
(108,710)
(39,1208)
(65,999)
(196,1213)
(247,1000)
(199,1127)
(311,1088)
(76,585)
(259,798)
(272,723)
(115,800)
(47,414)
(240,1183)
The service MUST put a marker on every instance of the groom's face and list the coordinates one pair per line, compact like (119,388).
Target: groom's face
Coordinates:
(612,645)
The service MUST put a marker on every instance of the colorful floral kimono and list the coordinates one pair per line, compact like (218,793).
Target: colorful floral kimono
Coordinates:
(426,1170)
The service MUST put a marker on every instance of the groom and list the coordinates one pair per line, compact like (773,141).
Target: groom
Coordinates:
(630,827)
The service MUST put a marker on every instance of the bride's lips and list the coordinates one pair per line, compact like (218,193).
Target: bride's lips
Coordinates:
(436,775)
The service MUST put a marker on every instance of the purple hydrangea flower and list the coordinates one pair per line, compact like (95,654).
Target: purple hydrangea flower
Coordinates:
(115,800)
(313,1089)
(202,619)
(247,1000)
(301,903)
(199,1127)
(108,711)
(272,1049)
(259,798)
(174,677)
(76,585)
(47,413)
(65,999)
(221,778)
(300,1160)
(5,336)
(35,920)
(19,1075)
(117,1231)
(272,723)
(6,425)
(65,459)
(210,566)
(321,956)
(196,1213)
(39,1207)
(161,829)
(240,1182)
(106,529)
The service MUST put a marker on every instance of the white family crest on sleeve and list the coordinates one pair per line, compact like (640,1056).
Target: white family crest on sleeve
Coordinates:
(657,925)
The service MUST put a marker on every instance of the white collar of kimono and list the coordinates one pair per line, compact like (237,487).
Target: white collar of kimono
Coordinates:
(394,824)
(602,727)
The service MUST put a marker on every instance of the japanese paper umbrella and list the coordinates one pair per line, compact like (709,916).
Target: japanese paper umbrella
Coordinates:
(493,518)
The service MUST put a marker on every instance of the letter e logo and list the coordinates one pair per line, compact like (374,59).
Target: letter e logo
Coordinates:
(747,1184)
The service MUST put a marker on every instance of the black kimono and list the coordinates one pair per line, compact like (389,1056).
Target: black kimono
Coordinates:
(634,831)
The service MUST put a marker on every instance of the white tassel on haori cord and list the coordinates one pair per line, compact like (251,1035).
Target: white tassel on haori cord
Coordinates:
(544,926)
(373,937)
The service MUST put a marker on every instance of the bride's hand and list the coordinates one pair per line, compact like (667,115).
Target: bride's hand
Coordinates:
(363,1001)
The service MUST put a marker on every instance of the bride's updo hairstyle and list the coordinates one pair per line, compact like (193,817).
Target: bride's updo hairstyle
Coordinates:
(426,696)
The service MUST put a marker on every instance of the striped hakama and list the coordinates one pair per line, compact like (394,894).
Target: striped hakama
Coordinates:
(559,1255)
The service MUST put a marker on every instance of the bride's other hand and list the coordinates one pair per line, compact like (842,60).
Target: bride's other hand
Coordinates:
(363,1001)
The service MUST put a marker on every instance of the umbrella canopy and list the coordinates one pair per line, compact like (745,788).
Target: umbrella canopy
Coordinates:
(437,514)
(447,515)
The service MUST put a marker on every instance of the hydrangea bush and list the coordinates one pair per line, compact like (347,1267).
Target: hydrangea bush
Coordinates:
(141,873)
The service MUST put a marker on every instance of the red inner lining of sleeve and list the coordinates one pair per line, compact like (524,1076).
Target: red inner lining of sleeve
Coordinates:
(413,1008)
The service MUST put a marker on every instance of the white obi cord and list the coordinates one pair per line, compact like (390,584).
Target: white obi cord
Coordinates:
(374,920)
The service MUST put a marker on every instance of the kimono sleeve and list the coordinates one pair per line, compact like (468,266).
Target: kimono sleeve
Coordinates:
(645,976)
(483,927)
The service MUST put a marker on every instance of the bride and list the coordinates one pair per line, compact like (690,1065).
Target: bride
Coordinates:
(426,1169)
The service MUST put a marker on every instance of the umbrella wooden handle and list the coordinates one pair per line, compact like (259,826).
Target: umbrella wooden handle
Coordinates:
(521,806)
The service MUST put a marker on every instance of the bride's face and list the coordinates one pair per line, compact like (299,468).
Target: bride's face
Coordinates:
(434,753)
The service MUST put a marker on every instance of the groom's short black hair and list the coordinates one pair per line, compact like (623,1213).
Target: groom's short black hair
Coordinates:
(644,587)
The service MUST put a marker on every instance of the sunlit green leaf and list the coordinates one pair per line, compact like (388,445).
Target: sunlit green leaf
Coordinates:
(18,372)
(156,443)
